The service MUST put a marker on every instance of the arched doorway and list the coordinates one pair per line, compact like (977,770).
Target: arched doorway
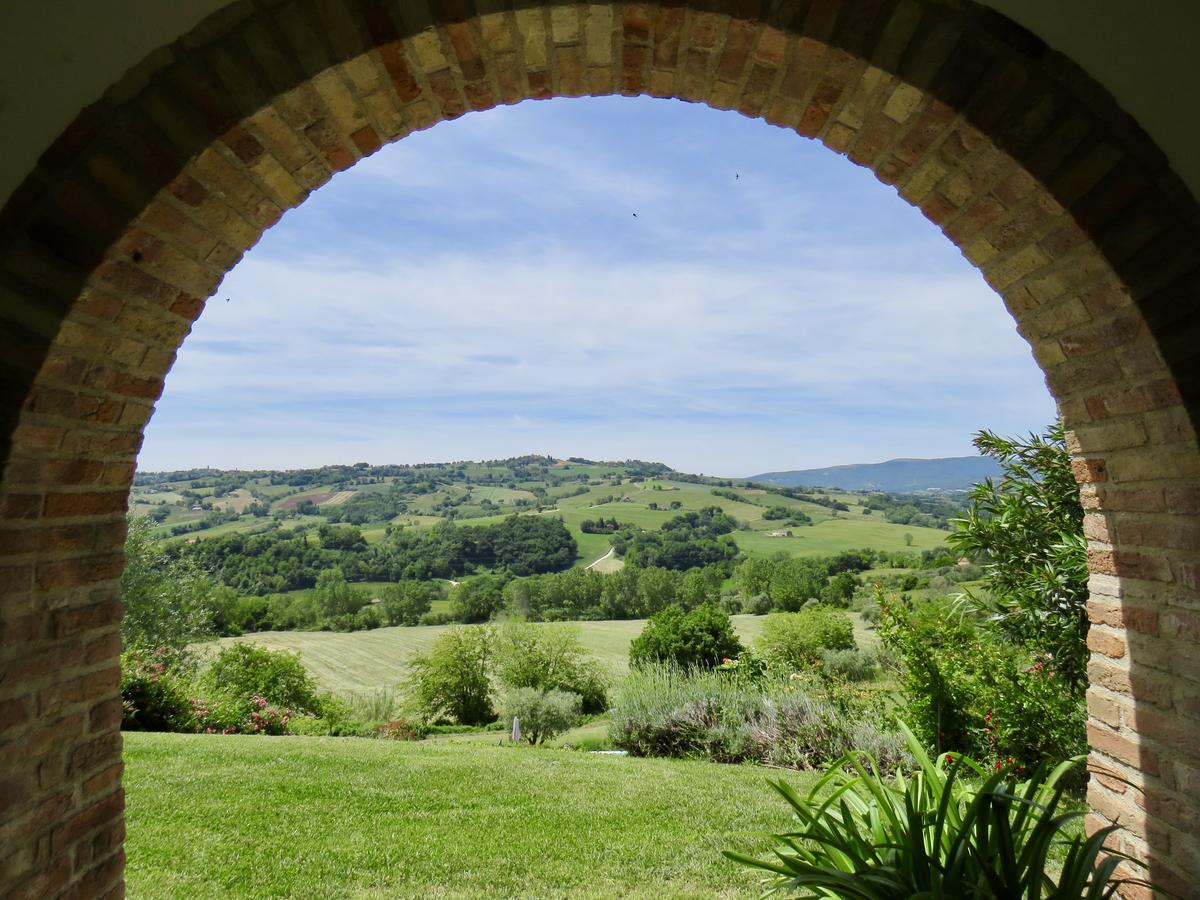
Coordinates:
(131,219)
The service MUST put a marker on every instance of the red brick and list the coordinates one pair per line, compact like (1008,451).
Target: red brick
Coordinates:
(87,757)
(99,881)
(80,689)
(69,622)
(1122,748)
(1089,470)
(85,820)
(103,780)
(1120,615)
(79,571)
(88,504)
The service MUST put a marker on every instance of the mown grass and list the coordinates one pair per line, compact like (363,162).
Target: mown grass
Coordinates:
(365,661)
(238,816)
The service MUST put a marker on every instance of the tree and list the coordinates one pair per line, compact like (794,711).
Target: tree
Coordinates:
(478,600)
(1028,528)
(840,590)
(549,657)
(335,597)
(542,714)
(405,602)
(451,681)
(166,597)
(527,545)
(796,581)
(697,639)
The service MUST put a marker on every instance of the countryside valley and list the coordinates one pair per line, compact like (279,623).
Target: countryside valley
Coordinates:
(645,628)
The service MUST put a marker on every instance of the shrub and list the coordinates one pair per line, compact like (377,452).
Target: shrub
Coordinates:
(795,723)
(851,665)
(220,713)
(871,613)
(245,671)
(542,714)
(757,605)
(952,829)
(451,681)
(1028,529)
(969,689)
(549,657)
(153,697)
(796,640)
(400,730)
(700,638)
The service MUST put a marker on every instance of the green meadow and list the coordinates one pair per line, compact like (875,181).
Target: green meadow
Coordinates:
(362,662)
(365,661)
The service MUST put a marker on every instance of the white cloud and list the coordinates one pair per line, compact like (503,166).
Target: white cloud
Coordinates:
(796,315)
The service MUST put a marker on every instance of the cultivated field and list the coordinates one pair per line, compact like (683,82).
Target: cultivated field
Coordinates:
(366,661)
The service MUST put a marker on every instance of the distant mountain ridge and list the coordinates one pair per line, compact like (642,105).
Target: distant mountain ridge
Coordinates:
(952,473)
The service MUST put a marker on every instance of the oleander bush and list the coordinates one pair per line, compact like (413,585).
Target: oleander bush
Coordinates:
(154,696)
(969,689)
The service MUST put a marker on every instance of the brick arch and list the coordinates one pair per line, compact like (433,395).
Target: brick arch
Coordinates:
(133,216)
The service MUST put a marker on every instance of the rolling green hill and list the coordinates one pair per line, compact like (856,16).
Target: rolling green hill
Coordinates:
(205,503)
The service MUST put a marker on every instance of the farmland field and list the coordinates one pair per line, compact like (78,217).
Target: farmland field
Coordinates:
(366,661)
(478,494)
(240,816)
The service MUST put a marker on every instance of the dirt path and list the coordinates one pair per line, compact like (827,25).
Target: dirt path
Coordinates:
(607,564)
(601,559)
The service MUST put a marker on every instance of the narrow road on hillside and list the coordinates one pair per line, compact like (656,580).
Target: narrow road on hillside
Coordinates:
(601,559)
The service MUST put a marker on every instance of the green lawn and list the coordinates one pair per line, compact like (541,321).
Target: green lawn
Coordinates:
(240,816)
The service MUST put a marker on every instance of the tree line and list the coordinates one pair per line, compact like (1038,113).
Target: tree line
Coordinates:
(291,559)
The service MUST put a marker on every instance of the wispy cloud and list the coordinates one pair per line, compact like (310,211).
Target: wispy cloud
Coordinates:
(484,288)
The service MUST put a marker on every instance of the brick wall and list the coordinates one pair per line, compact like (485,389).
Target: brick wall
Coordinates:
(130,220)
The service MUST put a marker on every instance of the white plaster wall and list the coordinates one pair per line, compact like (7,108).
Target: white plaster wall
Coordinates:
(58,56)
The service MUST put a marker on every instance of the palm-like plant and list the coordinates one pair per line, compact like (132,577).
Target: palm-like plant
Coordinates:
(949,830)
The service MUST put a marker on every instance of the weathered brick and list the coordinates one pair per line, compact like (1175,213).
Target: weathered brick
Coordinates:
(995,142)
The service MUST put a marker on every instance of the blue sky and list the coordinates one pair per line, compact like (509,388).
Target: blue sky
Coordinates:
(485,289)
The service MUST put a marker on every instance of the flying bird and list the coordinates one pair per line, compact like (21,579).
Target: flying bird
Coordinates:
(635,215)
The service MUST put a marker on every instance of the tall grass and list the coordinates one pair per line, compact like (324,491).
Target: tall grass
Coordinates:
(664,711)
(376,707)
